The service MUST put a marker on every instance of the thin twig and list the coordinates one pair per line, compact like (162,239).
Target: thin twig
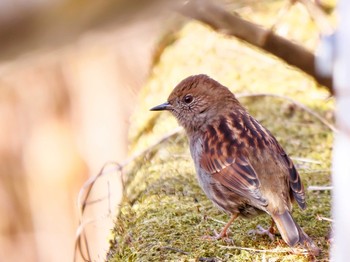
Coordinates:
(306,160)
(320,188)
(83,197)
(324,219)
(282,14)
(285,250)
(318,15)
(216,220)
(315,171)
(88,185)
(298,104)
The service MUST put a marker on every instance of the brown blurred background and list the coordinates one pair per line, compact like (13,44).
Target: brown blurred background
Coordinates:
(70,72)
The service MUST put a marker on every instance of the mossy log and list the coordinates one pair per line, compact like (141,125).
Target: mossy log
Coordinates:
(164,213)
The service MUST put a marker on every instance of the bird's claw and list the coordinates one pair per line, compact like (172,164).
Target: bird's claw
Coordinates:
(262,231)
(222,235)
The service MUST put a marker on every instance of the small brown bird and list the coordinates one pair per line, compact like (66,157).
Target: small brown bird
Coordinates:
(239,164)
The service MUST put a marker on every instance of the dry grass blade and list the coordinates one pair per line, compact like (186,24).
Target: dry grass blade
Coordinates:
(276,250)
(88,185)
(306,160)
(319,188)
(218,221)
(324,218)
(81,242)
(317,14)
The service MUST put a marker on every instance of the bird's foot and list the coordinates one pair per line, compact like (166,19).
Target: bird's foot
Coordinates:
(222,235)
(262,231)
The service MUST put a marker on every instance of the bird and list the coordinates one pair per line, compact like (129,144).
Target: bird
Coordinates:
(240,165)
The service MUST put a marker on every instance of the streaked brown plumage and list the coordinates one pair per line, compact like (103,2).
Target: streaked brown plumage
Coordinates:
(239,164)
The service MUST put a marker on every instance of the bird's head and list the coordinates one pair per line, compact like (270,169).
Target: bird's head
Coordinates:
(196,101)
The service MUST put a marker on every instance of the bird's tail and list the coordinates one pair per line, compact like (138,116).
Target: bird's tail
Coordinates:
(292,233)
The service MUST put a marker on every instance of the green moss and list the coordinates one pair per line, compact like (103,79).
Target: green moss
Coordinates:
(164,213)
(169,214)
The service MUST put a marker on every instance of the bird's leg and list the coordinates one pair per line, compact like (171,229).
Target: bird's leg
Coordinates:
(223,233)
(272,229)
(262,231)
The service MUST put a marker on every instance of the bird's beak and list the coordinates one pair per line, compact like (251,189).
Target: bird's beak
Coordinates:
(164,106)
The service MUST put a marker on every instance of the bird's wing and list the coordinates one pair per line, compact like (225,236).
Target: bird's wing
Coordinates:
(294,179)
(223,157)
(264,138)
(257,135)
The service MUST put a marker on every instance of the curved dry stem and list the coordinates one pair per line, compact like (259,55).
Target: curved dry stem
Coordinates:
(298,104)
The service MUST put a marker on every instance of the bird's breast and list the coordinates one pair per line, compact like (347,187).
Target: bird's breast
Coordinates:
(196,149)
(204,178)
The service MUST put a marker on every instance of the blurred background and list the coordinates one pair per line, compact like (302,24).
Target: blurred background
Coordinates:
(70,72)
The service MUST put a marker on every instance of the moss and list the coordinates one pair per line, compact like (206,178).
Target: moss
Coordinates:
(169,214)
(164,214)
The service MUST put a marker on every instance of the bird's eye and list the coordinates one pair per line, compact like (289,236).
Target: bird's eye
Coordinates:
(188,99)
